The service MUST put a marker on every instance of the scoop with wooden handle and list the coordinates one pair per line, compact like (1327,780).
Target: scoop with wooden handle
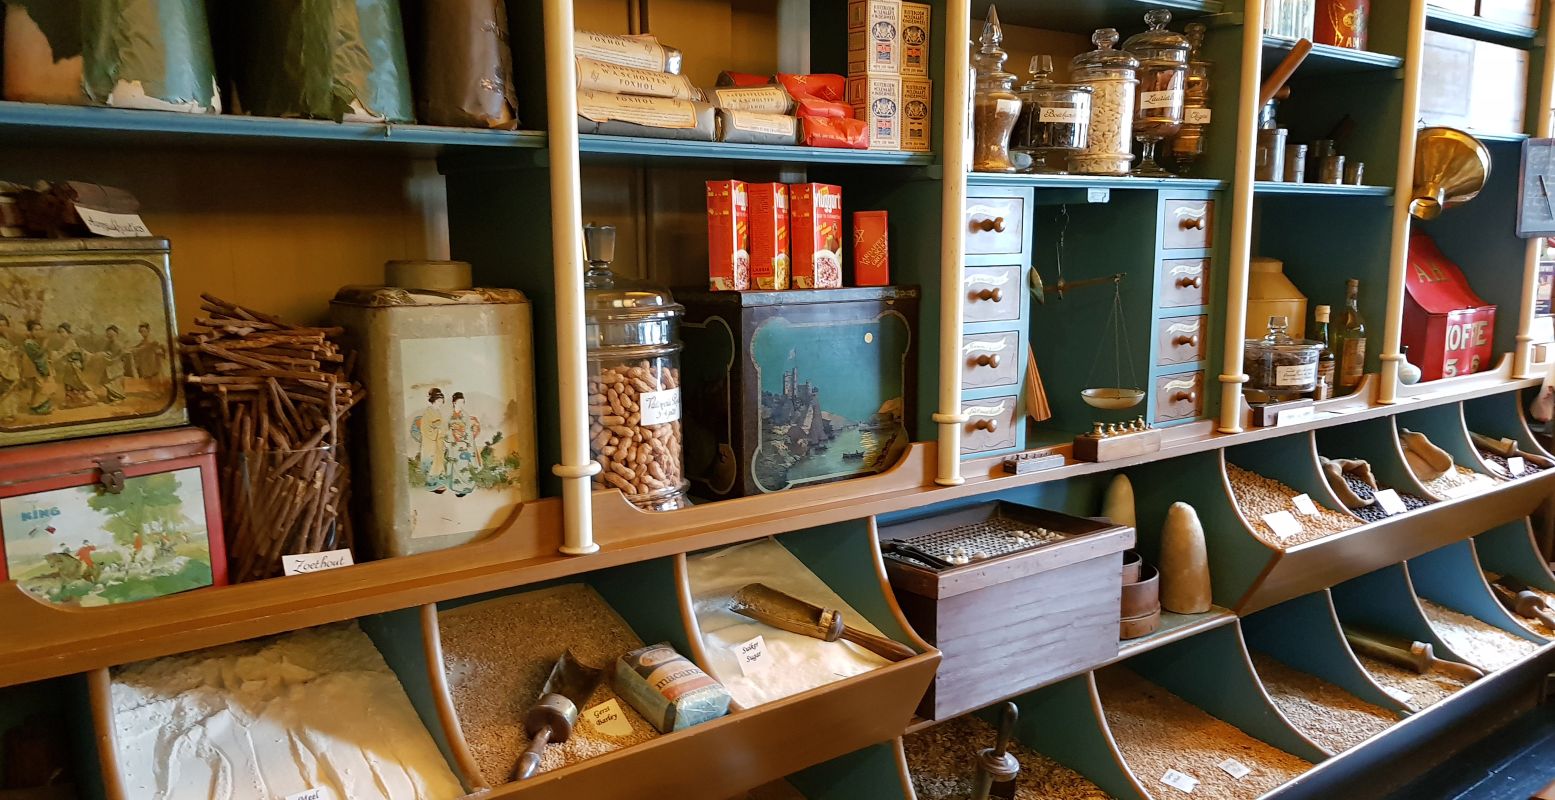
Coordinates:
(1524,602)
(1418,656)
(785,612)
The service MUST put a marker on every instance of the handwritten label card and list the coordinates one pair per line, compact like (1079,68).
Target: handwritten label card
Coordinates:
(1283,524)
(1180,781)
(1390,502)
(315,562)
(609,719)
(1515,466)
(310,794)
(1235,769)
(107,223)
(1292,416)
(1304,505)
(752,656)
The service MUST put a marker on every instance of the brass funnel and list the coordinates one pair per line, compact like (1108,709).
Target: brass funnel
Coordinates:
(1450,168)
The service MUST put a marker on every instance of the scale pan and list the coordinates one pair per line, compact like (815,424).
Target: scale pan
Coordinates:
(1113,399)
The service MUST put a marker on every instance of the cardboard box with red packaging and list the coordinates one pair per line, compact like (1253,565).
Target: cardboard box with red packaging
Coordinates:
(871,249)
(1342,23)
(1447,327)
(728,236)
(815,235)
(769,235)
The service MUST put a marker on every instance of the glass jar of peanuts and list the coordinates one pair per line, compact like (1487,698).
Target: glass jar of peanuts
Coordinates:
(1110,73)
(633,381)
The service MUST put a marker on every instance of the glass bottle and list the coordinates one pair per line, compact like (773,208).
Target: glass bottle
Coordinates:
(1325,356)
(1111,75)
(995,105)
(1055,119)
(1352,339)
(1163,76)
(633,381)
(1188,144)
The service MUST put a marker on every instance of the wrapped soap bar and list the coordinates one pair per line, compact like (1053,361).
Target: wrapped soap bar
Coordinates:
(642,51)
(761,99)
(602,76)
(657,117)
(667,689)
(751,127)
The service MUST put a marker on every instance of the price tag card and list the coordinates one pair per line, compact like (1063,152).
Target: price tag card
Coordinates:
(1283,524)
(609,719)
(1390,502)
(107,223)
(1235,769)
(752,656)
(1304,505)
(1291,416)
(1515,466)
(1398,694)
(308,794)
(315,562)
(1180,781)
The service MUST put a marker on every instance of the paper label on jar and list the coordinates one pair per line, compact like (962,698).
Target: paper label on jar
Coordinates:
(628,51)
(763,99)
(1168,98)
(604,77)
(659,407)
(1196,116)
(1297,375)
(1080,114)
(772,124)
(654,112)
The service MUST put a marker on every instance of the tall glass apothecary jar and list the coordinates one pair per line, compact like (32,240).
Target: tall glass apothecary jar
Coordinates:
(995,105)
(633,381)
(1163,77)
(1111,75)
(1055,119)
(1188,144)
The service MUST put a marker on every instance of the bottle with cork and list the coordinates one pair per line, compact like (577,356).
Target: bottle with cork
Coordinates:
(1325,358)
(1352,340)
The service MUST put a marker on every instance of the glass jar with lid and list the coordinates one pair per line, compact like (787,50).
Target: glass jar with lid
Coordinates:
(1111,75)
(1163,77)
(1055,119)
(995,105)
(633,380)
(1279,366)
(1188,144)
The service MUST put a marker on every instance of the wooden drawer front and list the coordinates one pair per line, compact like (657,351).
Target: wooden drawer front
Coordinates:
(991,294)
(1186,223)
(1184,282)
(995,225)
(1180,340)
(1179,396)
(990,424)
(989,359)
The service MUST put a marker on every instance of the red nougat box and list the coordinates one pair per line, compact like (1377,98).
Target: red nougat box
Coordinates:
(112,519)
(769,235)
(815,235)
(728,236)
(1447,327)
(871,249)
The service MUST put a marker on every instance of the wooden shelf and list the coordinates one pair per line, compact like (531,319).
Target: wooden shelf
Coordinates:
(1174,627)
(1091,181)
(1078,17)
(1443,21)
(599,147)
(1326,59)
(24,122)
(1324,189)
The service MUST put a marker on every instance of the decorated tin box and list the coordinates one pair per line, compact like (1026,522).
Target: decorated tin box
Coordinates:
(1448,329)
(449,371)
(793,388)
(87,339)
(114,519)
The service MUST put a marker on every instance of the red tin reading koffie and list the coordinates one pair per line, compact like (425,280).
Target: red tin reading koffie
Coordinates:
(1448,328)
(815,235)
(728,236)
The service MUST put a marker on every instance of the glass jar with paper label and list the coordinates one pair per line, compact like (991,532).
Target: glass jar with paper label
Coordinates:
(1188,144)
(1055,120)
(1278,366)
(633,381)
(1163,77)
(1111,75)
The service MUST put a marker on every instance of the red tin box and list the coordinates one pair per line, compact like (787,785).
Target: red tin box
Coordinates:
(871,249)
(112,519)
(1341,23)
(1447,327)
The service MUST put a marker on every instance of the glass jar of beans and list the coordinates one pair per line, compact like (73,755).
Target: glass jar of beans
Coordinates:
(633,381)
(1109,147)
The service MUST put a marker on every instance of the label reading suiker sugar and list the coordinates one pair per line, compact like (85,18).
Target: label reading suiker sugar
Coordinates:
(1296,375)
(1196,116)
(752,656)
(1079,114)
(1166,98)
(658,408)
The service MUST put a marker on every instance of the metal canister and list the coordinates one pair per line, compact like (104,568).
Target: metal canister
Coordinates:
(1355,173)
(1270,165)
(1295,163)
(1331,170)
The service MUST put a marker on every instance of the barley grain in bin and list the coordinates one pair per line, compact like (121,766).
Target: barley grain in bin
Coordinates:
(449,371)
(796,388)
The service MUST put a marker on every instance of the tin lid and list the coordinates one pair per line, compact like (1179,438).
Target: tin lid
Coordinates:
(1158,44)
(439,275)
(1434,281)
(33,246)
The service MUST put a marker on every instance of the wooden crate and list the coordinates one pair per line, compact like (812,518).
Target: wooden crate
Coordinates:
(1014,622)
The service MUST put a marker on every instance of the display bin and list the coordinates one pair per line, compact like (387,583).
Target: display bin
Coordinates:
(1503,416)
(1384,602)
(876,772)
(1510,549)
(63,703)
(1452,577)
(1376,442)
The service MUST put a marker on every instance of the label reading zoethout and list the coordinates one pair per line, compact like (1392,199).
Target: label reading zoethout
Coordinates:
(1390,501)
(1235,769)
(315,562)
(752,656)
(1304,505)
(659,407)
(609,719)
(1515,466)
(107,223)
(1180,781)
(1283,524)
(307,794)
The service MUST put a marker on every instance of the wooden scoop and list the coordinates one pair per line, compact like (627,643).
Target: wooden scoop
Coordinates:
(1418,656)
(785,612)
(1523,602)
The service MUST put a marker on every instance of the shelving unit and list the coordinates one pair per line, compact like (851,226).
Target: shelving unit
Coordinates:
(512,203)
